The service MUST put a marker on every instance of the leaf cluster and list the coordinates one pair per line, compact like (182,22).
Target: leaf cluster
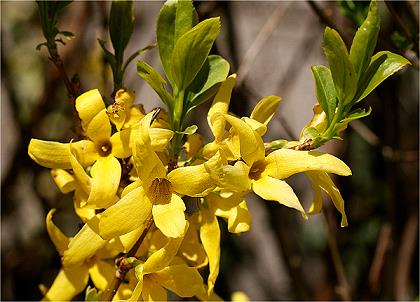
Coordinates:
(351,76)
(184,45)
(48,12)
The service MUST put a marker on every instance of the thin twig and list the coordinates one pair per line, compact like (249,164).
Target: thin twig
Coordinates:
(110,292)
(343,288)
(384,240)
(405,257)
(267,30)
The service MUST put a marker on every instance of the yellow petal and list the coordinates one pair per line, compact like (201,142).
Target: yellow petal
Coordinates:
(283,163)
(239,297)
(182,280)
(106,173)
(265,109)
(212,296)
(128,214)
(88,105)
(68,283)
(164,256)
(258,127)
(136,113)
(152,291)
(117,115)
(191,248)
(128,240)
(102,274)
(330,188)
(84,213)
(270,188)
(159,138)
(60,240)
(64,180)
(56,155)
(235,178)
(221,105)
(83,180)
(192,181)
(210,237)
(193,144)
(99,128)
(316,204)
(251,144)
(83,246)
(120,142)
(136,295)
(239,220)
(170,218)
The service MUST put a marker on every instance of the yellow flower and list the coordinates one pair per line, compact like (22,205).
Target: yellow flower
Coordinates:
(122,113)
(159,191)
(73,278)
(263,174)
(322,181)
(163,271)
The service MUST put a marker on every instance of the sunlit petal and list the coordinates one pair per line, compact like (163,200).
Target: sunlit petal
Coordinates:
(68,283)
(152,291)
(210,237)
(128,214)
(64,180)
(56,155)
(102,274)
(169,217)
(120,142)
(182,280)
(99,128)
(159,138)
(265,109)
(251,143)
(88,105)
(270,188)
(60,240)
(106,173)
(221,105)
(164,256)
(283,163)
(83,246)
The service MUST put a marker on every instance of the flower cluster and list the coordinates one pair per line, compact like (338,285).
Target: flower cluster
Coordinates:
(125,191)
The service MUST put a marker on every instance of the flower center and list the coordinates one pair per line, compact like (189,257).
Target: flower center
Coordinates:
(104,148)
(160,190)
(257,168)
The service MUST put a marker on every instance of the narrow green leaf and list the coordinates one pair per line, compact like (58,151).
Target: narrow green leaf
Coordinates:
(342,69)
(356,114)
(155,80)
(136,54)
(325,90)
(121,24)
(205,85)
(364,41)
(191,50)
(382,65)
(189,130)
(67,35)
(108,55)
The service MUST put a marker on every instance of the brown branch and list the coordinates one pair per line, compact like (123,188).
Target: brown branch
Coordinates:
(384,240)
(405,257)
(343,288)
(122,270)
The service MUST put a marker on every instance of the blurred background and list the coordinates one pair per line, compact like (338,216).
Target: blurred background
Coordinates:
(271,45)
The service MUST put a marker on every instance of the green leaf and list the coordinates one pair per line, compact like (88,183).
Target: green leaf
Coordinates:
(325,90)
(136,54)
(108,55)
(67,35)
(186,18)
(205,85)
(189,130)
(356,114)
(191,50)
(156,81)
(92,294)
(364,41)
(342,69)
(382,65)
(121,24)
(173,21)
